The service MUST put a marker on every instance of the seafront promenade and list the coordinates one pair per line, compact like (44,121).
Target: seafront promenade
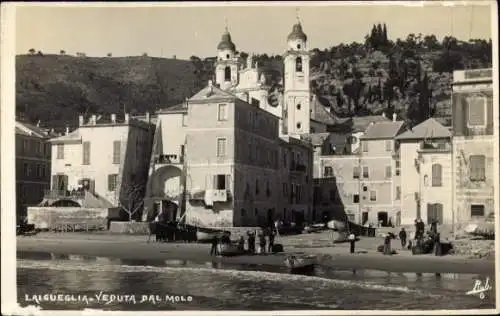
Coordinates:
(337,256)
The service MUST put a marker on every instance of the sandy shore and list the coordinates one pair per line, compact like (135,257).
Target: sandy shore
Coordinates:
(136,247)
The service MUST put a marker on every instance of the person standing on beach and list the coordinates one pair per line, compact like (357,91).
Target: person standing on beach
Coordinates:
(214,251)
(271,241)
(402,236)
(387,245)
(352,241)
(251,242)
(262,242)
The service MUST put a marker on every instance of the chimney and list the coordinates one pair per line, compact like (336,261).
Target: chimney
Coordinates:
(394,117)
(113,118)
(94,119)
(383,115)
(127,117)
(80,120)
(148,119)
(67,130)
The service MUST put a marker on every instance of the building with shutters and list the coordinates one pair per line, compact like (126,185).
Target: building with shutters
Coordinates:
(356,172)
(102,164)
(473,144)
(32,165)
(425,153)
(219,161)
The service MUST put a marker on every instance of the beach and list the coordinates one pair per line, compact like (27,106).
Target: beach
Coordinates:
(134,247)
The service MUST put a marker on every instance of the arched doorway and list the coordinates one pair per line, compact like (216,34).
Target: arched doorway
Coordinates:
(383,218)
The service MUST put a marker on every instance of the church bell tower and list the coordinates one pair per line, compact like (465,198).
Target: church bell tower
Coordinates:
(297,95)
(226,69)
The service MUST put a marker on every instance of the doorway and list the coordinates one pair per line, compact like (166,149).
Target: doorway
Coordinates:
(169,210)
(270,217)
(383,218)
(364,218)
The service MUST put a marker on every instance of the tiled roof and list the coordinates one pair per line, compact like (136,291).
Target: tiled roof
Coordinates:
(211,92)
(31,130)
(361,123)
(174,108)
(425,130)
(320,114)
(383,130)
(316,139)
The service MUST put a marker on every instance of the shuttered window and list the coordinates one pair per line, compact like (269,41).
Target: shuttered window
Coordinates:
(60,151)
(364,144)
(373,195)
(221,147)
(388,172)
(116,151)
(477,168)
(222,112)
(398,193)
(328,172)
(437,175)
(112,182)
(476,111)
(355,173)
(86,153)
(221,181)
(366,173)
(476,210)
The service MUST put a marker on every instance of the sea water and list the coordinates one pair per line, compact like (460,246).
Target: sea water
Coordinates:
(180,285)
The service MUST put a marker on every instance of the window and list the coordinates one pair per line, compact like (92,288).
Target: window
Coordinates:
(221,181)
(365,172)
(398,193)
(116,152)
(436,175)
(298,106)
(298,46)
(373,195)
(227,74)
(26,169)
(86,153)
(112,182)
(388,145)
(222,112)
(365,188)
(39,171)
(365,146)
(184,120)
(398,167)
(388,172)
(256,212)
(39,148)
(355,173)
(221,147)
(243,213)
(299,125)
(355,198)
(476,111)
(257,189)
(227,56)
(44,171)
(477,168)
(26,145)
(60,151)
(476,210)
(328,172)
(332,195)
(298,64)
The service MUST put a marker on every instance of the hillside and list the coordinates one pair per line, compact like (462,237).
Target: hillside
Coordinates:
(57,88)
(411,77)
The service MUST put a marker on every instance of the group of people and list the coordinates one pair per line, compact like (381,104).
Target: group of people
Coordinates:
(420,238)
(171,231)
(260,244)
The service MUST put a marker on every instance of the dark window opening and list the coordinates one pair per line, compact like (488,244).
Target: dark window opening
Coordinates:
(227,74)
(298,64)
(476,210)
(221,182)
(298,46)
(355,198)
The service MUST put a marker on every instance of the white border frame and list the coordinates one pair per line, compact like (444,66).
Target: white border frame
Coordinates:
(8,267)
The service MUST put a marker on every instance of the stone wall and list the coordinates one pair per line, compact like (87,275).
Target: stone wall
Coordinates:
(131,228)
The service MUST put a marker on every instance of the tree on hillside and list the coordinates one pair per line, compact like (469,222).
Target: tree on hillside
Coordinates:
(62,52)
(384,34)
(39,53)
(144,54)
(109,54)
(32,51)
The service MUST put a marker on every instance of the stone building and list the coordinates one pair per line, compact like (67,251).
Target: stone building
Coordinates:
(33,156)
(473,144)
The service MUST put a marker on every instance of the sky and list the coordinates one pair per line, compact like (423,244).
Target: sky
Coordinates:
(188,30)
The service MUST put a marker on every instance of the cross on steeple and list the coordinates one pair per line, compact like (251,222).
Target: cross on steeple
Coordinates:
(297,15)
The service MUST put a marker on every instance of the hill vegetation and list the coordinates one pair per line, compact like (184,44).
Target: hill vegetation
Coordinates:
(411,77)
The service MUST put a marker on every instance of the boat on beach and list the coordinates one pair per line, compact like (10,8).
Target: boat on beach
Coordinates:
(204,234)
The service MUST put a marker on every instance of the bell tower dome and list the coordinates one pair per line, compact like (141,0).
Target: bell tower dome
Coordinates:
(226,69)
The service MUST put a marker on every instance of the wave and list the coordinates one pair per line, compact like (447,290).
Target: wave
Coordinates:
(243,275)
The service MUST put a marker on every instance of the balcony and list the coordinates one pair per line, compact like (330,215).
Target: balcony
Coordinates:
(63,194)
(168,159)
(426,147)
